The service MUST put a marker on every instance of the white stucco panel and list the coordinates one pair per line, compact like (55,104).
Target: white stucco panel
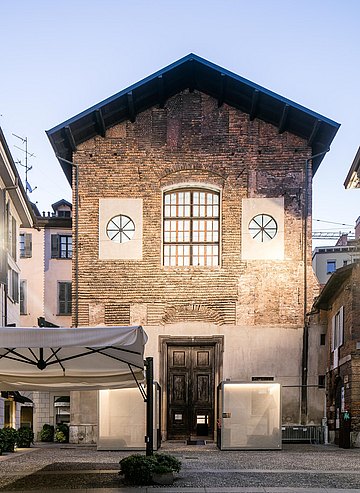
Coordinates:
(267,250)
(111,250)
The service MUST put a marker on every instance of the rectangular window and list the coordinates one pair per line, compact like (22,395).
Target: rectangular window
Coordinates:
(25,245)
(191,228)
(64,213)
(321,381)
(330,266)
(10,232)
(337,335)
(23,296)
(13,285)
(64,298)
(61,246)
(13,239)
(322,339)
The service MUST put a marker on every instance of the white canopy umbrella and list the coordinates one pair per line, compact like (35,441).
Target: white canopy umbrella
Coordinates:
(82,358)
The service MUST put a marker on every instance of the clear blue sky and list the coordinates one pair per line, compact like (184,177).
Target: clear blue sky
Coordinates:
(59,58)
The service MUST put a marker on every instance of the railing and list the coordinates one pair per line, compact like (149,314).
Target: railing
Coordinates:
(302,434)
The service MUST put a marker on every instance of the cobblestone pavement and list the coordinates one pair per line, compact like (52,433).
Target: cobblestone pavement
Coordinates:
(298,467)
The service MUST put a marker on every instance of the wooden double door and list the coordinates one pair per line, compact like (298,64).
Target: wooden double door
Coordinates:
(190,391)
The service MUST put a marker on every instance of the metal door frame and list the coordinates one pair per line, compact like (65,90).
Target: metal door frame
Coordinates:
(165,341)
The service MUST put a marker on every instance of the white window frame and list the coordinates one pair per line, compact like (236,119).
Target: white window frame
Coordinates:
(337,335)
(192,187)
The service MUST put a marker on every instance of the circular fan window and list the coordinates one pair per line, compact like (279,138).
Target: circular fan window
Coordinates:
(120,229)
(263,228)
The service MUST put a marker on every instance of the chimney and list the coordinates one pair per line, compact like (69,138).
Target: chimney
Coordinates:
(343,240)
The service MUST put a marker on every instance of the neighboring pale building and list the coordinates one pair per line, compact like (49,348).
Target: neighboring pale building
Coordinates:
(327,259)
(15,212)
(45,292)
(189,193)
(45,261)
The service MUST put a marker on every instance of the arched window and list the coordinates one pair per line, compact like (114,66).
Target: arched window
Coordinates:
(191,227)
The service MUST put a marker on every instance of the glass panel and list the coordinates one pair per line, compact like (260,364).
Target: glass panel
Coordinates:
(251,416)
(180,231)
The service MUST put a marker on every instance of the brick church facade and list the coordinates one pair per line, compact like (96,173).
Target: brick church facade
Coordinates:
(192,198)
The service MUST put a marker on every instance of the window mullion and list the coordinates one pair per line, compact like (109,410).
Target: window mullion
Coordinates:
(191,219)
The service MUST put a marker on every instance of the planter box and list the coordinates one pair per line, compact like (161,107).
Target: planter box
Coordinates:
(164,478)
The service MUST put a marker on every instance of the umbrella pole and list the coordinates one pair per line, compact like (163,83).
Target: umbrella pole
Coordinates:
(149,367)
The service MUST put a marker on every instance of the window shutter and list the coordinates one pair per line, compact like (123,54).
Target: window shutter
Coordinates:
(28,245)
(13,239)
(64,298)
(333,334)
(69,298)
(55,253)
(341,326)
(15,286)
(22,297)
(62,295)
(3,262)
(7,225)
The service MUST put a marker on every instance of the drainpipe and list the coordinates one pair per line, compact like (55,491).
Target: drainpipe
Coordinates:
(76,266)
(305,348)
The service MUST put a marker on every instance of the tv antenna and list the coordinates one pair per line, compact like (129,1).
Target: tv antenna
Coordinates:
(26,165)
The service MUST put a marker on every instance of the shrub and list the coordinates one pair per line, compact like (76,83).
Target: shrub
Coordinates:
(2,441)
(10,436)
(139,469)
(62,433)
(25,437)
(47,433)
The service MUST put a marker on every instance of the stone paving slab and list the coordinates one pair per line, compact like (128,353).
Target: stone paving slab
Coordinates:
(295,469)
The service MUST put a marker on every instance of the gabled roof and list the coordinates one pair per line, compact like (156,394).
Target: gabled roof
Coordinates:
(353,177)
(194,73)
(59,203)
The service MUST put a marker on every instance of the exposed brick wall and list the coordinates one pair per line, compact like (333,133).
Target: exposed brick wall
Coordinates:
(192,140)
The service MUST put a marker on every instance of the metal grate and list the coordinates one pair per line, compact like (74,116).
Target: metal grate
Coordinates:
(303,434)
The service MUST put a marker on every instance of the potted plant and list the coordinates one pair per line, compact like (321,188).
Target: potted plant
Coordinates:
(164,468)
(25,437)
(142,470)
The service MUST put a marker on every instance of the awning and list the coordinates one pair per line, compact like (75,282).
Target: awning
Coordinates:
(63,401)
(83,358)
(17,397)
